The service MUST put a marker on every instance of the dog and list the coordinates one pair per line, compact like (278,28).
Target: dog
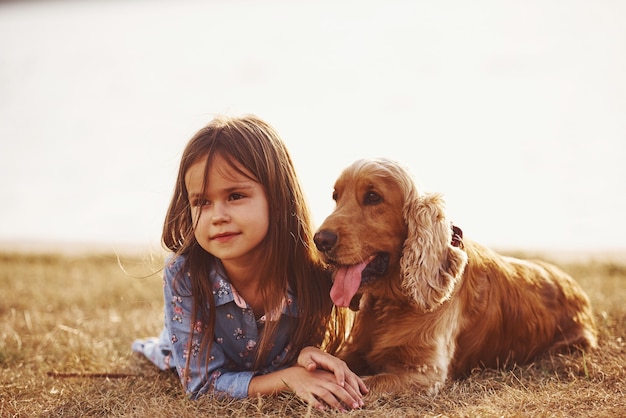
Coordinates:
(430,304)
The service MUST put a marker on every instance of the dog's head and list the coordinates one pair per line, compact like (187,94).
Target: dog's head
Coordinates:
(383,236)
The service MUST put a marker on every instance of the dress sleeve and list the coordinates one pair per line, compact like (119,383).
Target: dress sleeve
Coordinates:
(219,375)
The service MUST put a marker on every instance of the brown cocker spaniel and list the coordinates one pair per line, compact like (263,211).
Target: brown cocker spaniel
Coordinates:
(431,304)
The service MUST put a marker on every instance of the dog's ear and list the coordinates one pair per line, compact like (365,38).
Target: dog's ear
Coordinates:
(430,265)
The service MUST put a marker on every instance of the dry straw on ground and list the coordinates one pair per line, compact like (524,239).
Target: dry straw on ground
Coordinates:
(66,323)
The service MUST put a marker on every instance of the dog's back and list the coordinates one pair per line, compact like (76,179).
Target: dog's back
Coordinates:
(516,309)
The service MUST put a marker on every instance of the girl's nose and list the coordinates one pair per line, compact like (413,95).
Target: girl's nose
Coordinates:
(219,213)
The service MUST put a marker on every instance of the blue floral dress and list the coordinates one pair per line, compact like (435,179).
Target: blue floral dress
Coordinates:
(234,344)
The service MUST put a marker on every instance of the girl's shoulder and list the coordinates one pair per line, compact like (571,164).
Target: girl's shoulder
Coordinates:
(174,271)
(176,267)
(174,263)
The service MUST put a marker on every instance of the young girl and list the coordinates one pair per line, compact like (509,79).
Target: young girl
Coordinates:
(247,301)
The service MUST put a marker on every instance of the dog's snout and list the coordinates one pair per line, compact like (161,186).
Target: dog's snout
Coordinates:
(325,240)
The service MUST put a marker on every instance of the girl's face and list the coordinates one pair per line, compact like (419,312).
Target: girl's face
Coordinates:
(232,213)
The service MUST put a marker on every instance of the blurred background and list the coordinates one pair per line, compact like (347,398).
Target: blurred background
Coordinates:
(515,111)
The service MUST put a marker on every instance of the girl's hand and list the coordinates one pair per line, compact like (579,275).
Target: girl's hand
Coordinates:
(319,388)
(312,358)
(319,379)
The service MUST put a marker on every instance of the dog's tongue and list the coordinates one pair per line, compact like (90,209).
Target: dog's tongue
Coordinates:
(346,283)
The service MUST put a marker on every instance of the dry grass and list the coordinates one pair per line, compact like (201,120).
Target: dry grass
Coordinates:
(78,314)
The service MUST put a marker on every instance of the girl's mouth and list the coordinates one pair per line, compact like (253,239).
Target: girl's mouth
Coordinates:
(224,236)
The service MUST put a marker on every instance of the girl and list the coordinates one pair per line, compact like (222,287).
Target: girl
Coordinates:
(246,298)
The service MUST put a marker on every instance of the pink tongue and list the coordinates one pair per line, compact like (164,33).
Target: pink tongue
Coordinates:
(346,283)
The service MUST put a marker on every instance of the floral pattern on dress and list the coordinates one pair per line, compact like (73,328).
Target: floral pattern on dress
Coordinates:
(235,339)
(177,309)
(221,289)
(238,334)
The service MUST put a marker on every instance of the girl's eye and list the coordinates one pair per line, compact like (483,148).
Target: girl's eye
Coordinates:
(200,202)
(236,196)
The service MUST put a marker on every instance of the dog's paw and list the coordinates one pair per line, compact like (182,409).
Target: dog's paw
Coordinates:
(385,384)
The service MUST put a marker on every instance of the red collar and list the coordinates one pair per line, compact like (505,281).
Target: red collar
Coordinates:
(457,237)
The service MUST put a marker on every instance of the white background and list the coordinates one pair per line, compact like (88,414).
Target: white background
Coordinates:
(514,110)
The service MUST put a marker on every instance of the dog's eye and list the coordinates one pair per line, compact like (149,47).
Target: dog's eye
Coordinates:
(335,196)
(372,198)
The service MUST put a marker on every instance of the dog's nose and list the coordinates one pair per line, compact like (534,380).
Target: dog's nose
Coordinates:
(325,240)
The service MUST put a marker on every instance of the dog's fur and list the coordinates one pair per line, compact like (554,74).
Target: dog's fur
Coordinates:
(439,305)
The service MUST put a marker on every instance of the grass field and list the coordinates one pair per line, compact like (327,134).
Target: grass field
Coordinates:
(67,321)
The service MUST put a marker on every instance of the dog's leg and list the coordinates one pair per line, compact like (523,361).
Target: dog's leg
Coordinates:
(355,361)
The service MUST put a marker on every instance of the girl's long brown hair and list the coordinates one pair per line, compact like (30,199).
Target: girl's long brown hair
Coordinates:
(291,260)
